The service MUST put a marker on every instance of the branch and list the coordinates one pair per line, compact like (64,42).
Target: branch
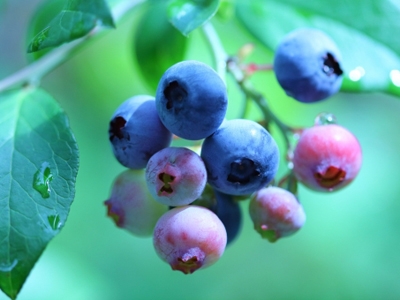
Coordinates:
(224,63)
(259,99)
(36,70)
(219,54)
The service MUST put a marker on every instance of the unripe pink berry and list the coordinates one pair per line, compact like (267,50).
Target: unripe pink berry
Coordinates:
(276,213)
(327,157)
(189,238)
(176,176)
(131,206)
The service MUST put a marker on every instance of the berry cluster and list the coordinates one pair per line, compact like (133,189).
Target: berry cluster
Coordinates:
(188,200)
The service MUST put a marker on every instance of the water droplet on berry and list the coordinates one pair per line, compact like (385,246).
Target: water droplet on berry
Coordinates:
(325,119)
(41,180)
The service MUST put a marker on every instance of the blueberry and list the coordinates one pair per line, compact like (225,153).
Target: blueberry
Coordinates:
(189,238)
(307,65)
(191,100)
(176,176)
(327,157)
(225,207)
(136,132)
(229,212)
(241,157)
(131,206)
(276,213)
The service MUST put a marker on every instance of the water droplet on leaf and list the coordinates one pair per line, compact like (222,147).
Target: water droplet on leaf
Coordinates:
(41,180)
(54,221)
(8,267)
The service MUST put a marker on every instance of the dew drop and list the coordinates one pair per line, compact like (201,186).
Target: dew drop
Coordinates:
(8,267)
(357,73)
(325,119)
(54,221)
(395,77)
(41,180)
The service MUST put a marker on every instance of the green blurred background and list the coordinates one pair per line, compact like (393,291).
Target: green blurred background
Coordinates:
(348,249)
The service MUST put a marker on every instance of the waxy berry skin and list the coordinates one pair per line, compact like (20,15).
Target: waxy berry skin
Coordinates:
(176,176)
(191,100)
(276,213)
(225,207)
(327,157)
(131,206)
(241,157)
(189,238)
(307,65)
(230,214)
(136,132)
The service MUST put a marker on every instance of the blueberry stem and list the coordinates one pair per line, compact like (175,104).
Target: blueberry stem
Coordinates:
(219,54)
(33,73)
(245,108)
(259,99)
(224,64)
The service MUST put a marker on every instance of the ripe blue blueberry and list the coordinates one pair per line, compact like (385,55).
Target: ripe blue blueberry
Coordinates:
(241,157)
(191,100)
(229,212)
(307,65)
(225,207)
(136,132)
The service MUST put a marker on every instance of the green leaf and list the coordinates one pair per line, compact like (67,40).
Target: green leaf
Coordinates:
(157,44)
(76,20)
(42,16)
(370,58)
(187,15)
(38,168)
(226,10)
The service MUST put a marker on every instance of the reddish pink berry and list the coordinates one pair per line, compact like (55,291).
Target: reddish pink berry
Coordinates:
(276,213)
(176,176)
(131,206)
(189,238)
(327,157)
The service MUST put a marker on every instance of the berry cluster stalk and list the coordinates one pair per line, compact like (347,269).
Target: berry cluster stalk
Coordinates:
(224,63)
(34,72)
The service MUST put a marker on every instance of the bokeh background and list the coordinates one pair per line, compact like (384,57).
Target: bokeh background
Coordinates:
(349,247)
